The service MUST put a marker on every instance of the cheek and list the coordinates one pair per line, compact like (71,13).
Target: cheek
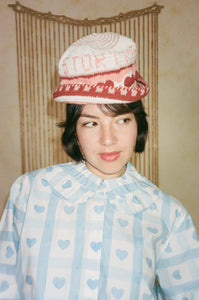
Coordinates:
(134,136)
(130,136)
(134,140)
(85,140)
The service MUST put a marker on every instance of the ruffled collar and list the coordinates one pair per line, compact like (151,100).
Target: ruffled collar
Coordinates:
(131,193)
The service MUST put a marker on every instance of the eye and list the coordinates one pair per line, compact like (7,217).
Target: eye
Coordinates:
(89,124)
(124,121)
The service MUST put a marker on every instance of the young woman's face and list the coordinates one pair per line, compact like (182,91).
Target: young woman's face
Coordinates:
(106,141)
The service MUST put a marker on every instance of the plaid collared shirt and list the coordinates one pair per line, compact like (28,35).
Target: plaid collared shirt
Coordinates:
(66,234)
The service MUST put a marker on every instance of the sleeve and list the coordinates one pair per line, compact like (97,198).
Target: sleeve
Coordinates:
(178,263)
(10,228)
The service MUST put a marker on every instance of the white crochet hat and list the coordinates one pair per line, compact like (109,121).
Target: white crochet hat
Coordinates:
(100,68)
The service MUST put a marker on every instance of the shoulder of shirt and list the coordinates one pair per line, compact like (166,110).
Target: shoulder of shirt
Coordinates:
(159,203)
(47,171)
(147,187)
(21,187)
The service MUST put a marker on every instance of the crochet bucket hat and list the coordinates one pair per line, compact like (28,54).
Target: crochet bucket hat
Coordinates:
(100,68)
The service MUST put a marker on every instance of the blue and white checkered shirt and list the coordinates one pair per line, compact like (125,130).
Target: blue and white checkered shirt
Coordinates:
(66,234)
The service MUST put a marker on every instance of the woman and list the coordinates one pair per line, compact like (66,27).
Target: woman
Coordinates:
(95,228)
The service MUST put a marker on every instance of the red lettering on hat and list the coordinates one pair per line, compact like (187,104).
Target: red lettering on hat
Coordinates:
(115,56)
(74,62)
(99,60)
(65,65)
(128,54)
(86,61)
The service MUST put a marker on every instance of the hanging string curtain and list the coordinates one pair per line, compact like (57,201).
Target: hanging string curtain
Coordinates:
(41,40)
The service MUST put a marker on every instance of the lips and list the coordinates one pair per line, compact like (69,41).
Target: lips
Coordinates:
(110,156)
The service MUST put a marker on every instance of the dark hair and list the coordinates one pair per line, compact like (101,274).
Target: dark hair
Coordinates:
(73,112)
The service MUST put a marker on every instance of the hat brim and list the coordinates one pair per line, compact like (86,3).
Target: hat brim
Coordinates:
(103,93)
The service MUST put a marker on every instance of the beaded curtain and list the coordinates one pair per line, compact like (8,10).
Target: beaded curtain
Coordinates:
(41,40)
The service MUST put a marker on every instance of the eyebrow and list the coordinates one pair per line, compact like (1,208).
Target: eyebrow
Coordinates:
(89,116)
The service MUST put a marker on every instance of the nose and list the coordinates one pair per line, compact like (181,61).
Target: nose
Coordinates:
(107,135)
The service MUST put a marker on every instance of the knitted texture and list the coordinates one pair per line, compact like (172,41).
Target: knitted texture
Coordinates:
(100,68)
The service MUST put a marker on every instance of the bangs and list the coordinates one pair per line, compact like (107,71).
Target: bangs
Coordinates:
(119,109)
